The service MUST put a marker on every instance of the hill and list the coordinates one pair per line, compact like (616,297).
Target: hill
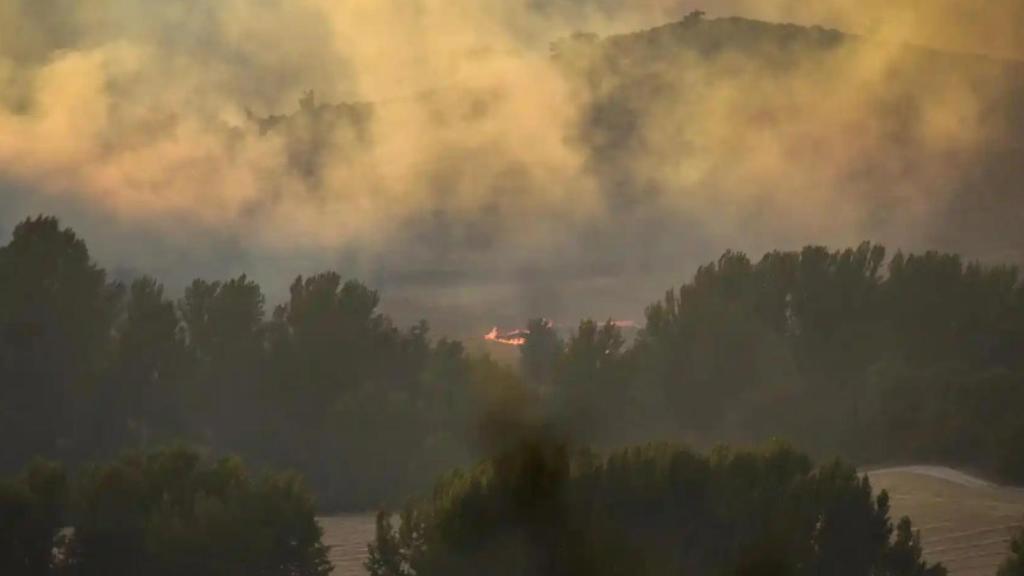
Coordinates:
(893,136)
(966,523)
(691,138)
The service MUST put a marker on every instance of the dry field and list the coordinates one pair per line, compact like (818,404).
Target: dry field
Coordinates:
(965,522)
(348,536)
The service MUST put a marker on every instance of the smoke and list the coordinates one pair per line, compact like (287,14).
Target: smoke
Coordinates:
(474,170)
(990,27)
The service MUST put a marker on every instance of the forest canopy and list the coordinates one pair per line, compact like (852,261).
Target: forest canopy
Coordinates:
(540,509)
(877,358)
(164,513)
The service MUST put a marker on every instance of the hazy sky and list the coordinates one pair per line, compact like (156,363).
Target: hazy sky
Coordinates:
(472,196)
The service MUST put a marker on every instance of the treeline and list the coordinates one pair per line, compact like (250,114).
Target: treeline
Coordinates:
(875,358)
(324,383)
(910,358)
(166,513)
(540,509)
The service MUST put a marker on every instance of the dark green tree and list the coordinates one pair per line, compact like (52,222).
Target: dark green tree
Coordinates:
(590,381)
(904,556)
(144,393)
(32,514)
(172,512)
(56,312)
(541,352)
(539,508)
(223,324)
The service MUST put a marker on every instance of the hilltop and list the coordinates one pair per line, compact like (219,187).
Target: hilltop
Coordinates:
(695,136)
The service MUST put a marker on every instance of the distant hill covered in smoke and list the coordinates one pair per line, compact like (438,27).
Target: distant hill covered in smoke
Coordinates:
(484,177)
(702,134)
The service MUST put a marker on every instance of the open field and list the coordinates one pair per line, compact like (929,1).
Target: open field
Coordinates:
(348,536)
(965,522)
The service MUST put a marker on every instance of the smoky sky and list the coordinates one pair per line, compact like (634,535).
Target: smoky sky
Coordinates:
(454,158)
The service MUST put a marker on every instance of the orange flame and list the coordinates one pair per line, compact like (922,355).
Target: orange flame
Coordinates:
(518,337)
(514,338)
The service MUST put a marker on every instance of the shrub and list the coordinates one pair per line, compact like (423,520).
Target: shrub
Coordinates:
(163,514)
(539,509)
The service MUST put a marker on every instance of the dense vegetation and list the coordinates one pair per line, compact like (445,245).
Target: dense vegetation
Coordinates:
(873,356)
(165,513)
(913,357)
(537,509)
(325,385)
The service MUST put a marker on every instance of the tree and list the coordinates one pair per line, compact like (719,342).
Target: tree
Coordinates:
(56,311)
(32,514)
(904,556)
(839,348)
(326,341)
(694,17)
(590,381)
(223,324)
(171,512)
(540,353)
(142,394)
(539,508)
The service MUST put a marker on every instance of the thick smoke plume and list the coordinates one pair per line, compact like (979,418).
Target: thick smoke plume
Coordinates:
(443,151)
